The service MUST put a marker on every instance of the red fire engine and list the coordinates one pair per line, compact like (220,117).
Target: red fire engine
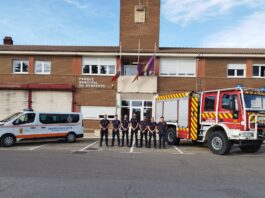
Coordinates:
(219,117)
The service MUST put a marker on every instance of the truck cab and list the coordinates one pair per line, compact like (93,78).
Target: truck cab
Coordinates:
(230,116)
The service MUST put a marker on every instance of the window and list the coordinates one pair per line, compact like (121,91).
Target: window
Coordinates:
(226,101)
(209,104)
(254,102)
(42,67)
(25,119)
(99,66)
(130,70)
(94,69)
(97,112)
(236,70)
(185,67)
(20,66)
(58,118)
(259,71)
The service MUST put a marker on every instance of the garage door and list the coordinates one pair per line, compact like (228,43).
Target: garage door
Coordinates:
(52,101)
(12,101)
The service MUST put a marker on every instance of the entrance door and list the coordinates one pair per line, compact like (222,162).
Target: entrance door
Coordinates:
(140,107)
(138,112)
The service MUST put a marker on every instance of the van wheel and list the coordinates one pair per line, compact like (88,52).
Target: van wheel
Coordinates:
(70,138)
(218,143)
(8,140)
(171,137)
(251,148)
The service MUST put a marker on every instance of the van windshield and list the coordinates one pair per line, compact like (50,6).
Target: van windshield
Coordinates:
(254,102)
(9,118)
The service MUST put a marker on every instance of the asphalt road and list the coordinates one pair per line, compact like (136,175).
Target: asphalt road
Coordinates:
(60,170)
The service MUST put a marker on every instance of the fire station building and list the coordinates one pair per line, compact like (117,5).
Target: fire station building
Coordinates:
(79,78)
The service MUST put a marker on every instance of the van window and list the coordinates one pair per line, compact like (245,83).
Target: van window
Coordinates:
(209,103)
(58,118)
(25,119)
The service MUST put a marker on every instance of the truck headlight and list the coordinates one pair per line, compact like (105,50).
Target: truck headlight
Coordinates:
(247,134)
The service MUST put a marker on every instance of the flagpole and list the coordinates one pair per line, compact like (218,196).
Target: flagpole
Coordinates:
(139,49)
(120,55)
(155,58)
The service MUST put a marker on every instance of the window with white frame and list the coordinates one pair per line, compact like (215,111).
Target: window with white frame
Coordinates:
(97,112)
(236,70)
(42,67)
(99,66)
(185,67)
(20,66)
(259,70)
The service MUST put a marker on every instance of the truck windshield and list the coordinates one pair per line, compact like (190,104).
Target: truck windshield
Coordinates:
(254,102)
(11,117)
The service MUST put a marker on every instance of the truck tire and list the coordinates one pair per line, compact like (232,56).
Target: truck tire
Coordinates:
(251,148)
(8,140)
(171,137)
(218,143)
(71,137)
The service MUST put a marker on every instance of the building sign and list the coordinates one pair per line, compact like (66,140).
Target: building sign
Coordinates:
(90,82)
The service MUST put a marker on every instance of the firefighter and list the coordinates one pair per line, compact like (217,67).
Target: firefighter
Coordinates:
(162,129)
(104,130)
(134,129)
(125,130)
(143,131)
(116,130)
(152,131)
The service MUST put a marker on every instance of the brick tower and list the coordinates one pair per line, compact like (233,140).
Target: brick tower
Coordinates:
(139,24)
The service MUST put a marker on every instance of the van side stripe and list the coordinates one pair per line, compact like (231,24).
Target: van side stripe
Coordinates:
(41,135)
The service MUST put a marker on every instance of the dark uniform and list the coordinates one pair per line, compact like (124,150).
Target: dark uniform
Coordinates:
(162,128)
(116,131)
(125,125)
(104,132)
(143,131)
(134,123)
(152,126)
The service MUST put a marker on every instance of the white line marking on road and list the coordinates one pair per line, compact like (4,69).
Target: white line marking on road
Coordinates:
(180,151)
(132,152)
(88,146)
(131,149)
(36,147)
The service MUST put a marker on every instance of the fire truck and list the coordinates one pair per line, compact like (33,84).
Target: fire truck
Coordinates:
(219,118)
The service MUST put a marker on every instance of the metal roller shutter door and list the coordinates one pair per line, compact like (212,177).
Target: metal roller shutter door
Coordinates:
(12,101)
(52,101)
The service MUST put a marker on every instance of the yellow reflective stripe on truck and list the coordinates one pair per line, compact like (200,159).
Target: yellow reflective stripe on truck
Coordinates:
(194,118)
(225,115)
(173,96)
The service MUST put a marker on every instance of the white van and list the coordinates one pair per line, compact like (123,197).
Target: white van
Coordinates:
(30,125)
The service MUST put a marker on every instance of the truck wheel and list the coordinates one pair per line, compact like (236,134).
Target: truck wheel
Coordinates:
(251,148)
(70,138)
(171,137)
(8,140)
(218,143)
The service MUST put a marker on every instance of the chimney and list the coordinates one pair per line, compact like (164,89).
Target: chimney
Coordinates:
(8,40)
